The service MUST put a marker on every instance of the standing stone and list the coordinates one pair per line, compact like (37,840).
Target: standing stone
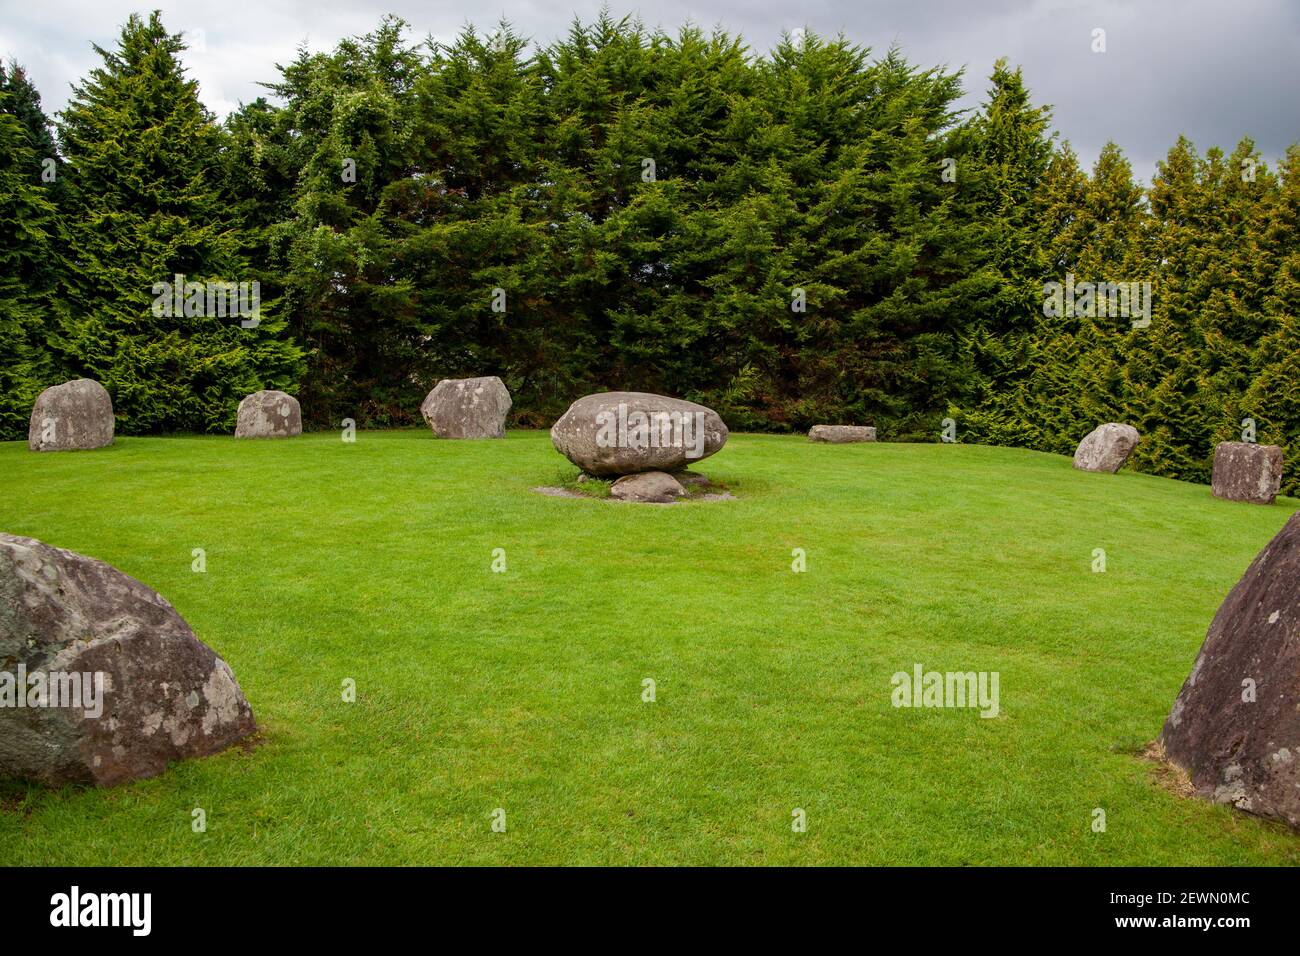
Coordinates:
(74,416)
(841,434)
(1106,448)
(269,414)
(1244,471)
(1235,726)
(650,486)
(622,433)
(467,408)
(73,623)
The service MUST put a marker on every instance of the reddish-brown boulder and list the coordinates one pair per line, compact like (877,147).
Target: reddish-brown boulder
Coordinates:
(1244,471)
(1235,726)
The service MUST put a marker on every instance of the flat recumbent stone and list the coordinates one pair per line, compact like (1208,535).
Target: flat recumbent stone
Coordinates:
(1244,471)
(1235,726)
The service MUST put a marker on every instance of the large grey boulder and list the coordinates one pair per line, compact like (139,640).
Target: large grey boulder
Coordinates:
(1106,448)
(1235,726)
(841,434)
(467,408)
(649,486)
(135,688)
(1244,471)
(622,433)
(268,414)
(74,416)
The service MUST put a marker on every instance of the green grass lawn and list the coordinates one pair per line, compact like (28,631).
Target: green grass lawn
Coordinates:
(523,690)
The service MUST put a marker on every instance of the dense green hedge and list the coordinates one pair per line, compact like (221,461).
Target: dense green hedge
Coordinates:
(814,234)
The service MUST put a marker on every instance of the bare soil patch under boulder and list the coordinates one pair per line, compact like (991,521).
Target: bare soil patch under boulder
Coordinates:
(841,434)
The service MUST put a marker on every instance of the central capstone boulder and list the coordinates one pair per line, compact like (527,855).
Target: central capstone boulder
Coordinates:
(268,414)
(624,433)
(467,408)
(1106,448)
(74,416)
(1235,726)
(101,681)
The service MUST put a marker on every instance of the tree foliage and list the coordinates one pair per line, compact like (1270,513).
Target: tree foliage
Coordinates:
(144,206)
(813,234)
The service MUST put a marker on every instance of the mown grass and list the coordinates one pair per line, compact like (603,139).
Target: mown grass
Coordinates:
(523,690)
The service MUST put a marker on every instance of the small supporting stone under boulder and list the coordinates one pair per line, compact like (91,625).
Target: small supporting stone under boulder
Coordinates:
(1235,726)
(101,681)
(622,433)
(1106,448)
(467,408)
(841,434)
(685,478)
(74,416)
(648,486)
(269,414)
(1244,471)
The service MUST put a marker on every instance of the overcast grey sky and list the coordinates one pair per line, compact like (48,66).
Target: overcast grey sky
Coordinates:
(1213,69)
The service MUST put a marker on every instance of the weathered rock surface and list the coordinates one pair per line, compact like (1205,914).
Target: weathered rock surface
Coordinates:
(841,434)
(467,408)
(164,695)
(268,414)
(650,486)
(685,478)
(1106,448)
(1235,726)
(74,416)
(1244,471)
(623,433)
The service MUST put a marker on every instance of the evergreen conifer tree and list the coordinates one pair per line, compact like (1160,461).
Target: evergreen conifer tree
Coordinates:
(31,272)
(144,206)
